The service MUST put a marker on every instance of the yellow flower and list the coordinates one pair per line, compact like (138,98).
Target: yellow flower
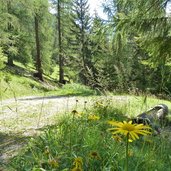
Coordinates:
(53,163)
(46,151)
(77,169)
(93,117)
(129,129)
(111,123)
(94,155)
(78,162)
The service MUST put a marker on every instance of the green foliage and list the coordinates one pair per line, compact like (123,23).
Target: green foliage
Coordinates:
(2,63)
(142,31)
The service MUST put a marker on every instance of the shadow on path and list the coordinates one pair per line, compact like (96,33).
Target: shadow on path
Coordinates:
(43,97)
(9,143)
(54,97)
(12,144)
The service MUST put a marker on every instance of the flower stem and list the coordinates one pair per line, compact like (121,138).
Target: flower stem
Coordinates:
(127,138)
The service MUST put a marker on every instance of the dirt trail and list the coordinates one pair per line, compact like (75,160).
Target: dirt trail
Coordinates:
(33,112)
(23,117)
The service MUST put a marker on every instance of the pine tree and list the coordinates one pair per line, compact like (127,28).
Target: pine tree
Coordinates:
(42,29)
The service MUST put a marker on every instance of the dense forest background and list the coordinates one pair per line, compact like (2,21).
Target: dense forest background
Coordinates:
(128,52)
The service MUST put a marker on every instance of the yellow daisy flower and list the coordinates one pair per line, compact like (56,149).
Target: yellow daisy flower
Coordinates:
(78,162)
(129,129)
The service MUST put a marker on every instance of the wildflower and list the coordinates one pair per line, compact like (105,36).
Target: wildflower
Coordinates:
(129,129)
(111,123)
(93,117)
(78,162)
(53,163)
(46,151)
(94,155)
(130,140)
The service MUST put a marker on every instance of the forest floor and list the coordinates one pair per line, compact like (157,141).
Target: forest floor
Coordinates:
(23,118)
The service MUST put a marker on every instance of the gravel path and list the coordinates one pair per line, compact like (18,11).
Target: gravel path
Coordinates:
(33,112)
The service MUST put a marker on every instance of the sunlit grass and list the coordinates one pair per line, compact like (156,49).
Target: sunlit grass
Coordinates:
(18,86)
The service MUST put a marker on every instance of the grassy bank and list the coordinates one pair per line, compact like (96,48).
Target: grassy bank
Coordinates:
(18,81)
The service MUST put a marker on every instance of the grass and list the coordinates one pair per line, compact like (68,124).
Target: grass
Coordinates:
(17,81)
(77,136)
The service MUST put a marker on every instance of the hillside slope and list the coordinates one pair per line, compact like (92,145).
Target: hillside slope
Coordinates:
(18,81)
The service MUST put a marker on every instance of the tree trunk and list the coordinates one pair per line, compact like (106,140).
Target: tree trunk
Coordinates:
(9,29)
(10,60)
(61,60)
(39,73)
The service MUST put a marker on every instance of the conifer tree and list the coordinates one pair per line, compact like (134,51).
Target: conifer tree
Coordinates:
(9,24)
(63,10)
(80,41)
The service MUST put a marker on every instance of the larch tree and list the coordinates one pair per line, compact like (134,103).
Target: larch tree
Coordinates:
(140,31)
(146,25)
(9,24)
(39,9)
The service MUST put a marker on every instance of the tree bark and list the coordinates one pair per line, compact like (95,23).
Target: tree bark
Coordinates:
(61,60)
(39,73)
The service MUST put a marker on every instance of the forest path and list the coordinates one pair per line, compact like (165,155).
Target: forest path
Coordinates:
(24,117)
